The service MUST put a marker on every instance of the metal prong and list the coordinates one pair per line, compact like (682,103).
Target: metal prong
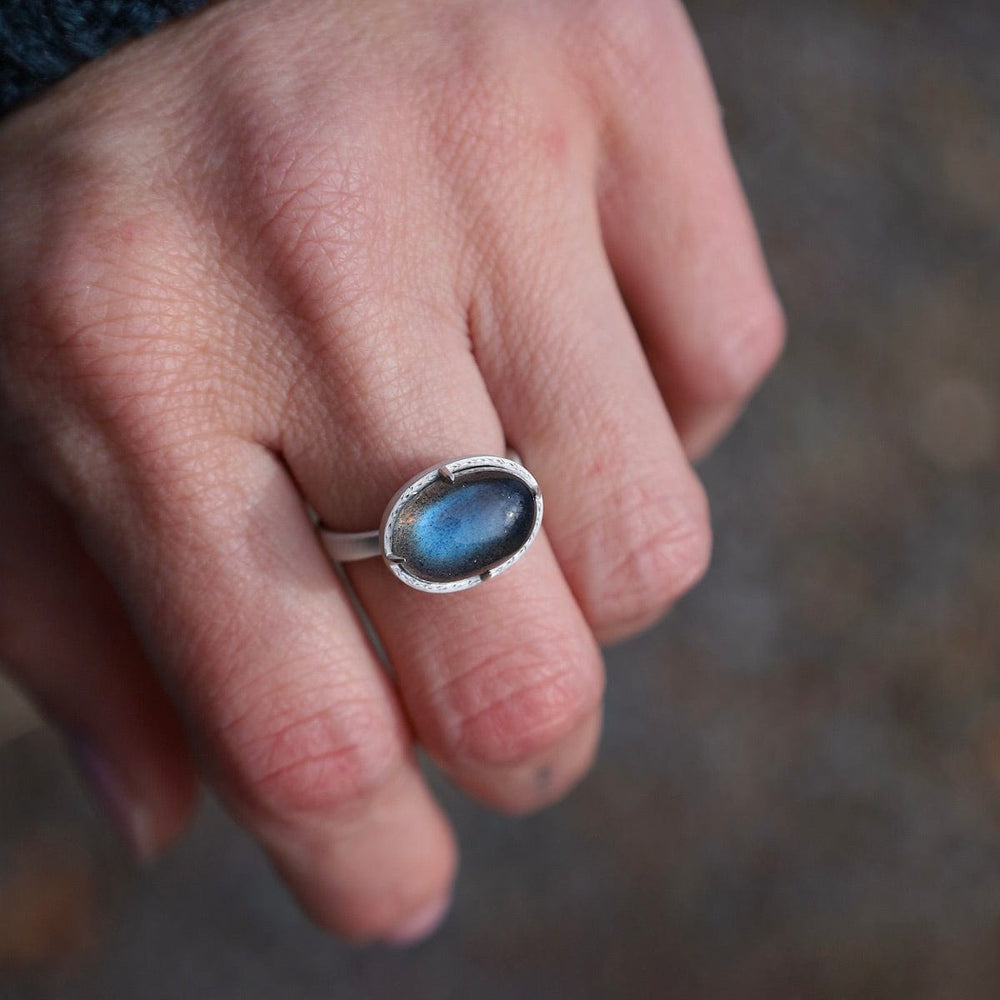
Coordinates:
(485,575)
(445,473)
(398,560)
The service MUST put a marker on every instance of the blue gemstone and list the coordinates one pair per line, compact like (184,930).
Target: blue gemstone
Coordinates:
(454,530)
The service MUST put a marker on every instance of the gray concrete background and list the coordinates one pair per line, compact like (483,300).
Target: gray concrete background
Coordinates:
(798,793)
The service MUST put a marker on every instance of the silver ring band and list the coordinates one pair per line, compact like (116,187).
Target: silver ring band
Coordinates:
(452,526)
(350,546)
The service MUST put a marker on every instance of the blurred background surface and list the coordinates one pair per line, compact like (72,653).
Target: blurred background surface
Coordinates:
(799,790)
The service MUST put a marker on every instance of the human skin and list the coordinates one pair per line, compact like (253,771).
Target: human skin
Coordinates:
(292,252)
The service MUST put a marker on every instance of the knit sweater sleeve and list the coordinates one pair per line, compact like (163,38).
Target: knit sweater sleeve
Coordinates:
(42,41)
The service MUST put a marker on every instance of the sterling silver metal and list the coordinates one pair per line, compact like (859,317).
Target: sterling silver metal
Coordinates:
(351,546)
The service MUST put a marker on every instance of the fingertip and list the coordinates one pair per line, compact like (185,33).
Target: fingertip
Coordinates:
(703,428)
(420,925)
(369,879)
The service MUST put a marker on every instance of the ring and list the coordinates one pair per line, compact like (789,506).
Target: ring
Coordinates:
(453,526)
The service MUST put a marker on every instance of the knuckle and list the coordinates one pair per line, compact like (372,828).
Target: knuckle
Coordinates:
(740,356)
(623,43)
(96,298)
(94,337)
(519,702)
(505,125)
(332,762)
(667,550)
(58,304)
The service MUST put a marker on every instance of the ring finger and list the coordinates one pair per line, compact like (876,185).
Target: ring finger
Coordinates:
(502,682)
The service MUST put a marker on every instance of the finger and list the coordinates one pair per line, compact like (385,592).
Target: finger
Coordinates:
(295,721)
(681,239)
(503,681)
(64,637)
(625,513)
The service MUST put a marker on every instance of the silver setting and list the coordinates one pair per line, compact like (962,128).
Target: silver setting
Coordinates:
(455,470)
(351,546)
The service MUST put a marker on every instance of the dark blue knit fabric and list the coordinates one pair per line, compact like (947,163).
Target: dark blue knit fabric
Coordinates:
(42,41)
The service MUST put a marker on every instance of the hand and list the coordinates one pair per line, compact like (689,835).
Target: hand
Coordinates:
(291,252)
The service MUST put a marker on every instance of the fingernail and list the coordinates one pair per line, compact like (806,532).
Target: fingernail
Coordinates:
(127,815)
(420,925)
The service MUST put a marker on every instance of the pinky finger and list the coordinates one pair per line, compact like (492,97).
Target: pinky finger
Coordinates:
(66,642)
(682,242)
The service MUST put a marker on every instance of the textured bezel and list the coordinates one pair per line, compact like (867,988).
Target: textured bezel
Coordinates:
(454,471)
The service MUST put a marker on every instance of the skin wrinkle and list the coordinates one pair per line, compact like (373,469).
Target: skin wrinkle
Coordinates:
(496,334)
(497,243)
(119,364)
(215,348)
(228,645)
(500,673)
(545,709)
(369,369)
(530,355)
(355,818)
(203,636)
(269,354)
(266,694)
(491,151)
(434,690)
(325,762)
(671,552)
(480,628)
(278,167)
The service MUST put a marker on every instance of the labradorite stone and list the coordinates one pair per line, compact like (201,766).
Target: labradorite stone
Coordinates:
(451,531)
